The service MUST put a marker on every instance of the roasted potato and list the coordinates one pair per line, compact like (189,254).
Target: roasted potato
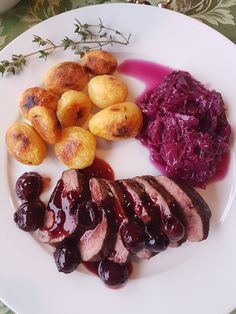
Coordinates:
(65,76)
(120,121)
(45,122)
(107,90)
(36,96)
(73,108)
(25,144)
(77,147)
(99,62)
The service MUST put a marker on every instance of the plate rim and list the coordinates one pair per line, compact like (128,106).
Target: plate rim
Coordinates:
(105,5)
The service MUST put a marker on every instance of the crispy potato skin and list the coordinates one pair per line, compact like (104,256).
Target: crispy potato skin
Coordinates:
(120,121)
(77,148)
(25,144)
(36,96)
(99,62)
(73,108)
(65,76)
(45,122)
(107,90)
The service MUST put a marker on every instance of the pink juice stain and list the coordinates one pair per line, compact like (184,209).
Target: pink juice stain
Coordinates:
(150,73)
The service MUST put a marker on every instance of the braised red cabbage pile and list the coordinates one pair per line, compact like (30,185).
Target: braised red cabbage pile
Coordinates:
(185,128)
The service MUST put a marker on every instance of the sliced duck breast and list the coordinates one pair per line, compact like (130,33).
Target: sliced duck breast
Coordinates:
(195,210)
(107,195)
(142,206)
(137,193)
(121,254)
(114,220)
(60,221)
(93,245)
(172,222)
(98,243)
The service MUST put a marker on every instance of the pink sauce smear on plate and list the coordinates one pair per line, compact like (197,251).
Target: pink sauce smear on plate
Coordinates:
(150,73)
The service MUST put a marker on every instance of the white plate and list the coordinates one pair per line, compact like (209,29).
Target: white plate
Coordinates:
(195,278)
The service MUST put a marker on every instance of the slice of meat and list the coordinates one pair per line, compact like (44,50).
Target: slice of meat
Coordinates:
(109,239)
(168,207)
(92,243)
(100,192)
(120,209)
(120,253)
(60,222)
(98,243)
(158,194)
(195,210)
(107,195)
(137,193)
(142,206)
(130,197)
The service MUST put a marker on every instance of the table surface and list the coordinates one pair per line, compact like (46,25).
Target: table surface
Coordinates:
(219,14)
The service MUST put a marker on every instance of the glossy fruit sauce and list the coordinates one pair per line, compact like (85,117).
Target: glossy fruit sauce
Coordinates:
(29,217)
(152,74)
(112,274)
(99,169)
(65,223)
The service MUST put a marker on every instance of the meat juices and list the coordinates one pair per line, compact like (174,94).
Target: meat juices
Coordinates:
(110,221)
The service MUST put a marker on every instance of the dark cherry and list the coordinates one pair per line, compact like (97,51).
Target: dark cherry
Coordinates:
(29,216)
(28,186)
(89,215)
(158,244)
(67,257)
(174,229)
(113,274)
(156,240)
(133,236)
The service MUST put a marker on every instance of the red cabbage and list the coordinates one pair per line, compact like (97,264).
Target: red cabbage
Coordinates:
(185,128)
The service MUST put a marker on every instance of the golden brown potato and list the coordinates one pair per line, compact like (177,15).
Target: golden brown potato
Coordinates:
(45,122)
(73,108)
(107,90)
(65,76)
(120,121)
(99,62)
(36,96)
(25,144)
(77,147)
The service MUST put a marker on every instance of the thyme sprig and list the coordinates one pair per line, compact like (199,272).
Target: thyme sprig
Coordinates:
(89,37)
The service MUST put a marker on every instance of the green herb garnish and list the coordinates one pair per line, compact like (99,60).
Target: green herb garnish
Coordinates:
(90,37)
